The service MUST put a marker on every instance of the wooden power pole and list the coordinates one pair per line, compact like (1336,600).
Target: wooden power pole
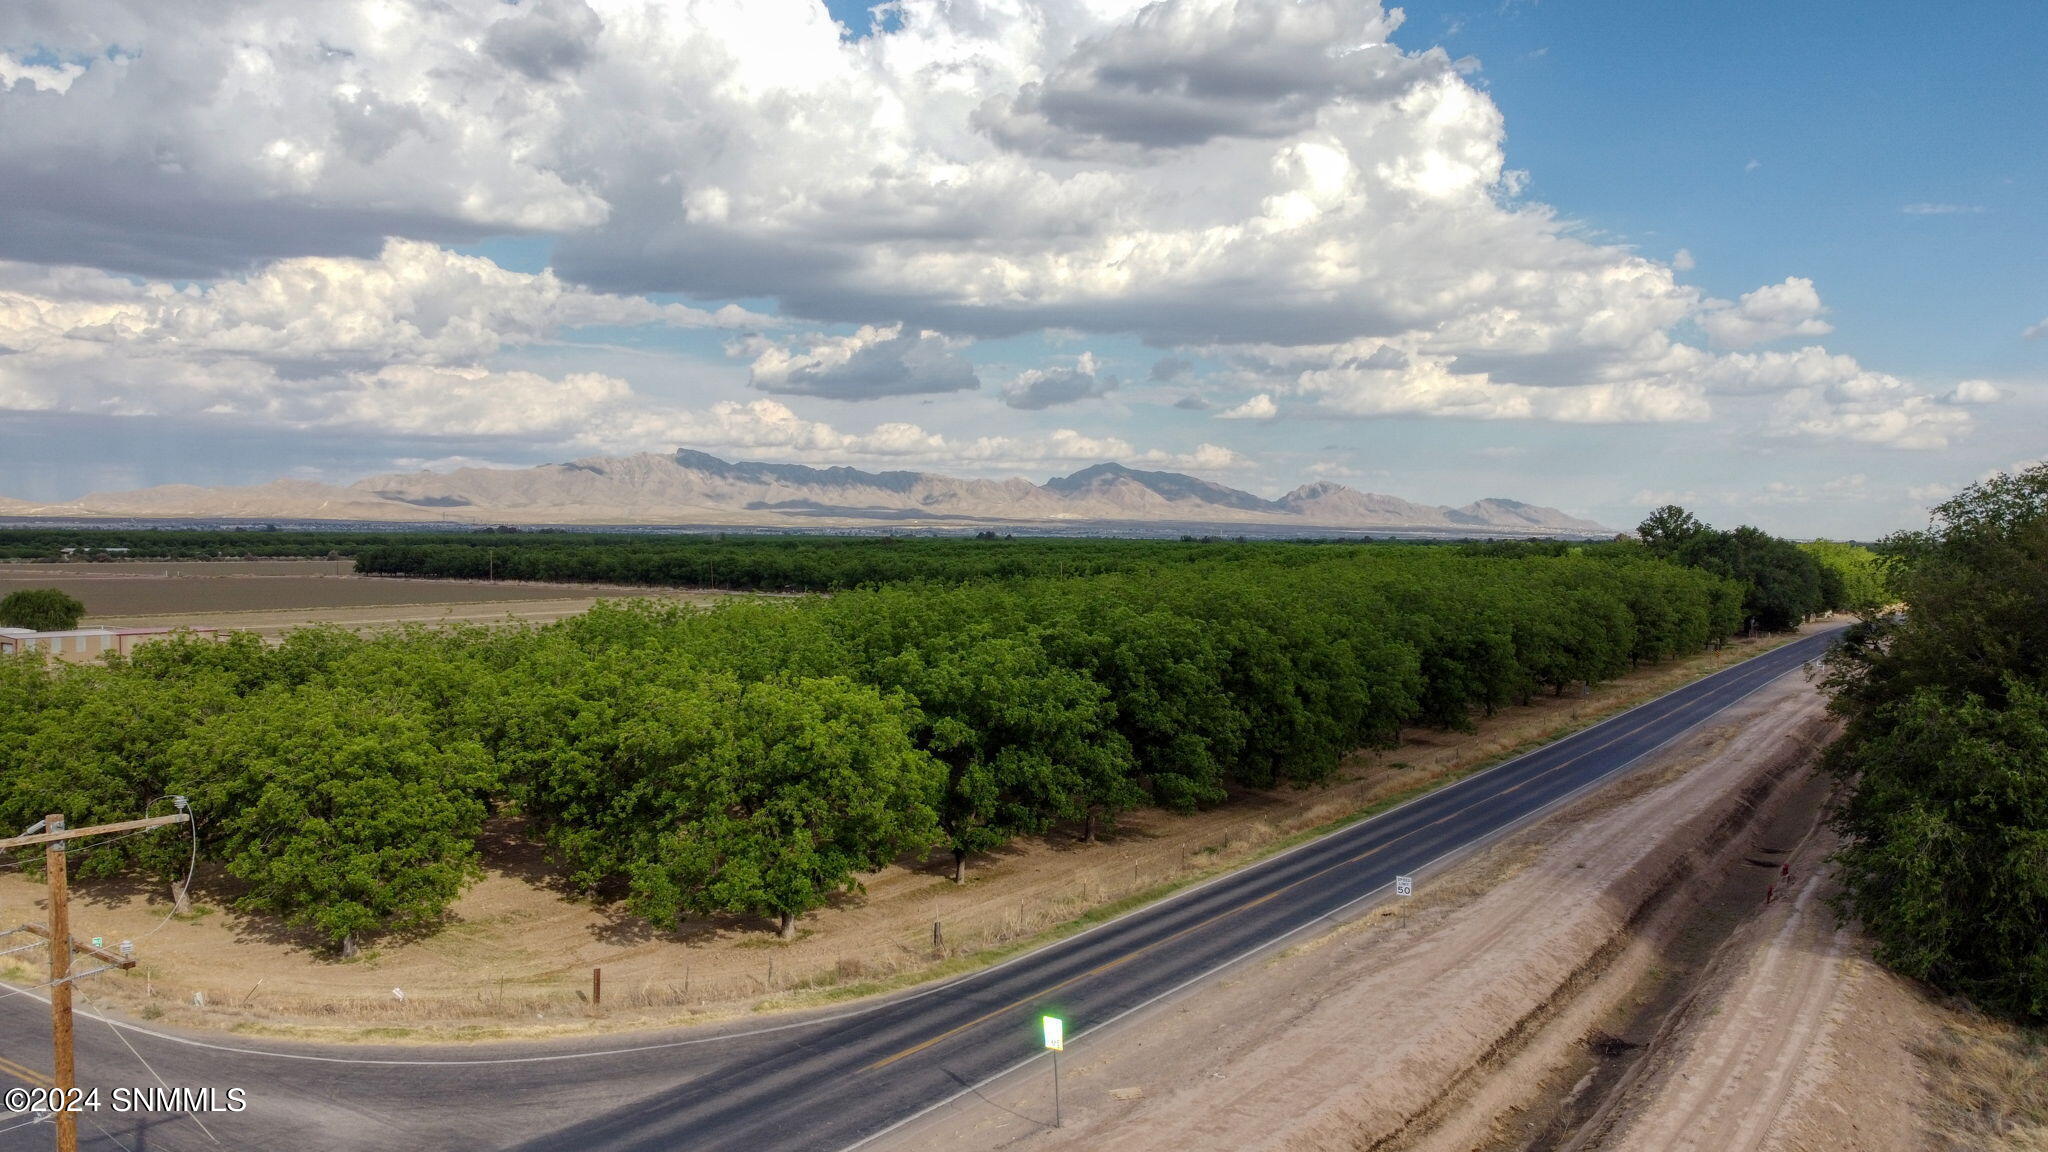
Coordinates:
(54,837)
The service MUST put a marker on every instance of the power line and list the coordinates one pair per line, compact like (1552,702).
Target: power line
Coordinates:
(56,837)
(193,1117)
(42,1119)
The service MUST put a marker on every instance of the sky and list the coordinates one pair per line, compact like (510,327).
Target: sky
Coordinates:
(1783,263)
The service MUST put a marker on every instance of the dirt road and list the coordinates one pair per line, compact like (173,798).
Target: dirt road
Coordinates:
(1796,1041)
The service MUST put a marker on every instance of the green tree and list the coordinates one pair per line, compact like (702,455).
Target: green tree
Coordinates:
(1858,571)
(756,757)
(1946,744)
(41,609)
(358,815)
(1668,530)
(1784,584)
(805,786)
(1949,864)
(1024,741)
(101,744)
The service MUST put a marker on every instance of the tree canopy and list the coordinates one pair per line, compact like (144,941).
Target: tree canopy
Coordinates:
(40,609)
(1783,582)
(1946,745)
(758,757)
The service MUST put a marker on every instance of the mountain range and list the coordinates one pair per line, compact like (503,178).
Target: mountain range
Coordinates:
(689,488)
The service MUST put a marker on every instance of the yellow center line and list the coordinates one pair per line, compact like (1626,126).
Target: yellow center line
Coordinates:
(26,1074)
(1135,953)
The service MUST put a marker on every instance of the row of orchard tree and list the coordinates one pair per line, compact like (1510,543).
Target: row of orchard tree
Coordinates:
(758,757)
(769,563)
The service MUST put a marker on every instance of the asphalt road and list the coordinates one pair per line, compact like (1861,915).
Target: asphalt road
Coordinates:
(832,1080)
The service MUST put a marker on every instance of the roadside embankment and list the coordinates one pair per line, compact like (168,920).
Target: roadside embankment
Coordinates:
(1434,1022)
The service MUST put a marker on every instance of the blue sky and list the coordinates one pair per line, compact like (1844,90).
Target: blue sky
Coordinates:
(1777,262)
(1643,119)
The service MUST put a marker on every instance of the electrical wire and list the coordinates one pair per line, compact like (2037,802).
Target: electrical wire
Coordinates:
(191,862)
(23,990)
(191,866)
(118,1142)
(45,1118)
(147,1066)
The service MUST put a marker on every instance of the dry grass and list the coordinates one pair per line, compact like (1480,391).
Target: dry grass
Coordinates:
(1988,1084)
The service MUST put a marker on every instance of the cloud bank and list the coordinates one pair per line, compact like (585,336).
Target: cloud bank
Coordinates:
(247,210)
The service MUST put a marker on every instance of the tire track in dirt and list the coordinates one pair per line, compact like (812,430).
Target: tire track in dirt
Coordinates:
(1752,1051)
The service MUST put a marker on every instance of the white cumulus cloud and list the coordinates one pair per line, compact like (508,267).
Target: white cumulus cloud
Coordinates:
(414,301)
(1772,312)
(1975,392)
(1275,183)
(1260,407)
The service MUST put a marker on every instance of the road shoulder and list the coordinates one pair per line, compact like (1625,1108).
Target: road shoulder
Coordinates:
(1405,1023)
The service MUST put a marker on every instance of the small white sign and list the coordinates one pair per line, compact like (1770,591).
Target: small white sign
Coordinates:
(1055,1033)
(1404,885)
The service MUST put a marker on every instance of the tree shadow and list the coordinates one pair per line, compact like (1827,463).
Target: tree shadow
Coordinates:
(621,926)
(508,848)
(938,861)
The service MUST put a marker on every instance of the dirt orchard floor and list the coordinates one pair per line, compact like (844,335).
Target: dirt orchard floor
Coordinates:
(517,953)
(1403,1028)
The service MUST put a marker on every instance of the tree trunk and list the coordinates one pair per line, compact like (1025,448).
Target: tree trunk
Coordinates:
(181,900)
(1088,828)
(788,929)
(959,866)
(348,946)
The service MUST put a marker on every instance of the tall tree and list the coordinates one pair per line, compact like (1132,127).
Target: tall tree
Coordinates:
(1946,744)
(1669,529)
(1859,572)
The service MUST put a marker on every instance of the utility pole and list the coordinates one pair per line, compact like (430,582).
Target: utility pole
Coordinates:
(55,838)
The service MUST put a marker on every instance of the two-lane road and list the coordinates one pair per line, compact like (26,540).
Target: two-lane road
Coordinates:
(833,1080)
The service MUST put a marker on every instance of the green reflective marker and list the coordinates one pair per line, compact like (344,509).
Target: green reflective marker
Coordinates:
(1055,1039)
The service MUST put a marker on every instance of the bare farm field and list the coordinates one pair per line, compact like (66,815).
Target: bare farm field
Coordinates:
(515,956)
(272,596)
